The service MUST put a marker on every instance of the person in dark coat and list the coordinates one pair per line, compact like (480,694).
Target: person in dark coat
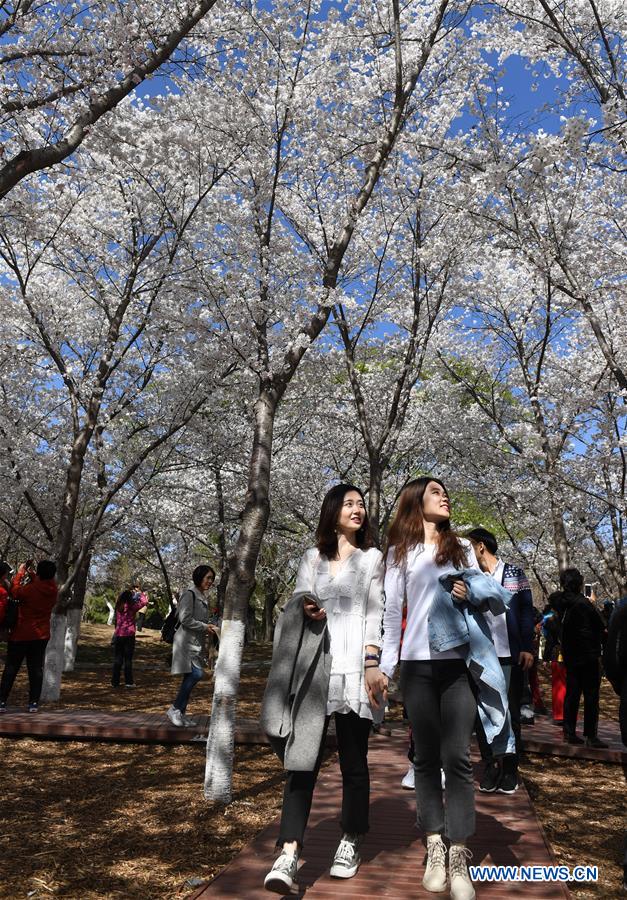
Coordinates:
(582,642)
(615,660)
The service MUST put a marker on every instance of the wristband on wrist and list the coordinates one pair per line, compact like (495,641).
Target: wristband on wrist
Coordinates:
(372,666)
(375,656)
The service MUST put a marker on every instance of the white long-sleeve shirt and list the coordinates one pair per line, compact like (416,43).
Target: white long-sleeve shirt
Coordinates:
(417,581)
(498,624)
(354,611)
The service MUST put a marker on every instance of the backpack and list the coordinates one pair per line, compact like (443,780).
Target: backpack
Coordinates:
(171,624)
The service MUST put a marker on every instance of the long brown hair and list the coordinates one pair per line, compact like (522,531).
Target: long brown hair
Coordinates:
(408,528)
(326,535)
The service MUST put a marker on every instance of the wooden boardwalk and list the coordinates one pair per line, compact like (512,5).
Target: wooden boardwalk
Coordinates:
(508,833)
(547,739)
(119,727)
(137,727)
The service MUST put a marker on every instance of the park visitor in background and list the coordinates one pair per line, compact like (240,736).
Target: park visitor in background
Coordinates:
(5,587)
(126,609)
(615,660)
(435,685)
(582,643)
(513,634)
(141,615)
(36,592)
(190,645)
(328,638)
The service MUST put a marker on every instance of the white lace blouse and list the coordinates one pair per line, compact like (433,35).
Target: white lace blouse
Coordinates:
(353,601)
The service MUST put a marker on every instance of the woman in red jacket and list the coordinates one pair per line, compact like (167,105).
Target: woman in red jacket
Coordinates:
(28,640)
(5,584)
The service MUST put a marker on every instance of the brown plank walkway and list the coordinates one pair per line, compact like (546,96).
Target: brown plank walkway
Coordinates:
(545,738)
(137,727)
(508,833)
(133,727)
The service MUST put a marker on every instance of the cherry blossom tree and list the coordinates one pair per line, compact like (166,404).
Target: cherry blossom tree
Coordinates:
(109,247)
(308,186)
(63,68)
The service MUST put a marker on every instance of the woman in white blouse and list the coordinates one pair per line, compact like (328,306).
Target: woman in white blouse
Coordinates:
(342,582)
(435,685)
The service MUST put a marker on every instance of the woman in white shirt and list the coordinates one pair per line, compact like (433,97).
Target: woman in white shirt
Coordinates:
(342,581)
(435,686)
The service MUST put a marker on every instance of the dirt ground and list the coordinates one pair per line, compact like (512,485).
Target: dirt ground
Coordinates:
(582,806)
(87,820)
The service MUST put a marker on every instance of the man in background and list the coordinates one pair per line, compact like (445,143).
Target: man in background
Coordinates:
(582,642)
(512,633)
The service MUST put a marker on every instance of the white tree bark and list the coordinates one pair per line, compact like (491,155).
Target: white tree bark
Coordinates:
(54,658)
(220,743)
(72,634)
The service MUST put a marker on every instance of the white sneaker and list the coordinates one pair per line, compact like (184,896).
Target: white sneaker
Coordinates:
(347,859)
(461,885)
(281,876)
(527,715)
(175,716)
(434,879)
(189,723)
(443,778)
(409,779)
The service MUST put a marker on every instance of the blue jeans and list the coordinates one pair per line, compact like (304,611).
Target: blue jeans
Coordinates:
(189,682)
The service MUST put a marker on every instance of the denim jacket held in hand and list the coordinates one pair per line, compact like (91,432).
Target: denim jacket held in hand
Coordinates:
(463,626)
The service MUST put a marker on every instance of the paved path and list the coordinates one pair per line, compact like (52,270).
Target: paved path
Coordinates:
(508,833)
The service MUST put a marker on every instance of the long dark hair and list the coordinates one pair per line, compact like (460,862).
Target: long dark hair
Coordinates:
(326,534)
(408,527)
(124,598)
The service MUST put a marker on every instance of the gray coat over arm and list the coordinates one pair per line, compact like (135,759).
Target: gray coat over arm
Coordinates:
(295,701)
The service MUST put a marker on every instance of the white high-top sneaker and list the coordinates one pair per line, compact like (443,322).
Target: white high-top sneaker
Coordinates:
(434,879)
(461,885)
(282,875)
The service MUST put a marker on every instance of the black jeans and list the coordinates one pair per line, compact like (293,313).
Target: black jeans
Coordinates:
(352,745)
(514,679)
(622,720)
(34,652)
(584,678)
(124,648)
(442,709)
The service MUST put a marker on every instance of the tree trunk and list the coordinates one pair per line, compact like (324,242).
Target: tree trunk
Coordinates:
(55,653)
(75,615)
(220,743)
(270,600)
(374,497)
(562,550)
(224,559)
(72,634)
